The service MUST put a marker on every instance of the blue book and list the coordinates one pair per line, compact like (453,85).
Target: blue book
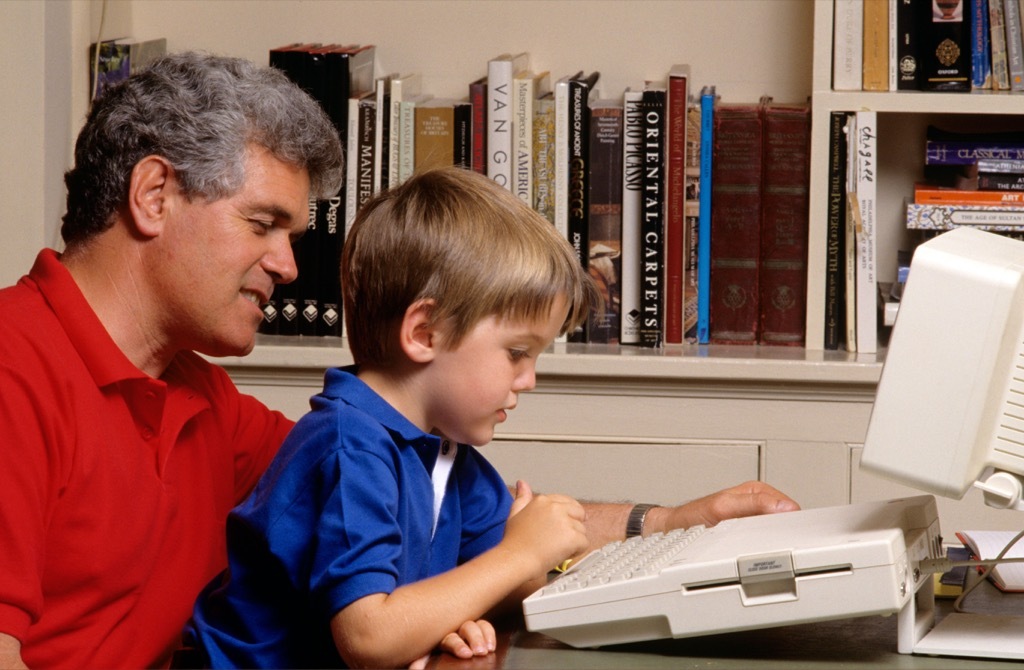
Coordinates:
(981,63)
(707,108)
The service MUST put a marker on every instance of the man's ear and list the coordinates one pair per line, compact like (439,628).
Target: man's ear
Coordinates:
(152,184)
(418,335)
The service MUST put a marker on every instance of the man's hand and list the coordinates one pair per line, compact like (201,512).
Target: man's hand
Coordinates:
(747,499)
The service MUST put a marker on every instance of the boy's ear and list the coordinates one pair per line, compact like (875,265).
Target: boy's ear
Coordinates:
(418,335)
(151,185)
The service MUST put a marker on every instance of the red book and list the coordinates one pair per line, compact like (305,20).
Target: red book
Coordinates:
(736,172)
(675,189)
(784,199)
(478,99)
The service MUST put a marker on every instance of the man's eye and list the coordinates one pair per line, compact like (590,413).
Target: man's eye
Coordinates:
(262,225)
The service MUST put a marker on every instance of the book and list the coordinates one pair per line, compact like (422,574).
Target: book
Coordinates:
(981,48)
(867,203)
(876,45)
(1000,166)
(946,48)
(909,23)
(784,223)
(501,71)
(527,86)
(435,134)
(707,135)
(737,172)
(404,135)
(675,191)
(652,214)
(948,148)
(462,151)
(988,544)
(632,198)
(115,60)
(1014,44)
(835,288)
(366,163)
(983,217)
(353,156)
(561,93)
(544,156)
(478,103)
(997,40)
(580,91)
(925,194)
(691,211)
(605,248)
(406,86)
(852,223)
(848,45)
(382,132)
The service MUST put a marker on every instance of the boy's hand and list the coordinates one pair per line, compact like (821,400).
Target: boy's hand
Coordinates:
(548,527)
(474,638)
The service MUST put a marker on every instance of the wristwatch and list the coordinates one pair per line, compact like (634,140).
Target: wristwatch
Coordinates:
(635,522)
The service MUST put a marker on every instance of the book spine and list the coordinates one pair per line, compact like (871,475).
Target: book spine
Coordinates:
(848,45)
(544,157)
(938,196)
(382,135)
(834,258)
(736,223)
(908,43)
(352,163)
(867,188)
(851,219)
(946,50)
(605,254)
(478,99)
(652,220)
(579,177)
(981,63)
(329,279)
(940,152)
(893,46)
(691,210)
(1014,44)
(435,135)
(994,181)
(997,39)
(784,222)
(499,121)
(876,45)
(675,186)
(522,138)
(367,150)
(632,199)
(462,150)
(946,217)
(562,157)
(405,157)
(707,134)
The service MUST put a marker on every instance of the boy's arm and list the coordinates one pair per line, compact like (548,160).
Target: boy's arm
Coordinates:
(606,522)
(392,630)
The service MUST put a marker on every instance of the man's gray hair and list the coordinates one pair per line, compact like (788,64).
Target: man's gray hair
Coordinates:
(200,112)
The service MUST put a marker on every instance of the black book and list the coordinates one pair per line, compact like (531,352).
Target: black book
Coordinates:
(946,47)
(580,89)
(652,219)
(462,150)
(835,259)
(911,16)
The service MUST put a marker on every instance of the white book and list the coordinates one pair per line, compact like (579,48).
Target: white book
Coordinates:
(501,72)
(848,45)
(406,85)
(632,205)
(867,194)
(352,162)
(562,154)
(382,132)
(527,87)
(894,56)
(405,162)
(997,36)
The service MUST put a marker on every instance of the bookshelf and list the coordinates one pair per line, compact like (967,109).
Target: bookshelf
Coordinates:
(616,419)
(903,117)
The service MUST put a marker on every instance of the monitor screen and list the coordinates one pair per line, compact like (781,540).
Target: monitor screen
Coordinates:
(949,411)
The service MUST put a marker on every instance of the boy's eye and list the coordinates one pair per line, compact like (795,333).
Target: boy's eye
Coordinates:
(518,354)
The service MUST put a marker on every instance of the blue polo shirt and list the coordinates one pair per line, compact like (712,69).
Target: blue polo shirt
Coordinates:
(345,510)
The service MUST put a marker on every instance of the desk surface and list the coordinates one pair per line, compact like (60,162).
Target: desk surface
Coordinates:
(865,642)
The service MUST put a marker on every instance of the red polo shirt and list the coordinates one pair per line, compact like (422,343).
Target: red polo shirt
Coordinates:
(114,486)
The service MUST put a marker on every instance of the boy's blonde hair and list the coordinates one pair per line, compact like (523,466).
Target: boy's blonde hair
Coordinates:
(455,237)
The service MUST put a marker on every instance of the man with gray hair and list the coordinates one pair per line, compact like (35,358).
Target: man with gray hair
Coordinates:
(122,450)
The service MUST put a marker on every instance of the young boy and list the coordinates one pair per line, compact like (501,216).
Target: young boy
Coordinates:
(379,533)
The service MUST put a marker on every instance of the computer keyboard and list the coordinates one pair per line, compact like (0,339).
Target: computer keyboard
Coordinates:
(755,572)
